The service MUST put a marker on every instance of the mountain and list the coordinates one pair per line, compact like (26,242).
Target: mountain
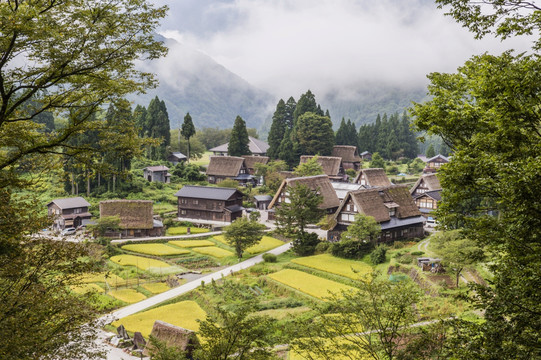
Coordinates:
(190,81)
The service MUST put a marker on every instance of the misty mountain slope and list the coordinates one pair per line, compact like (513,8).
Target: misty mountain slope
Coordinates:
(192,82)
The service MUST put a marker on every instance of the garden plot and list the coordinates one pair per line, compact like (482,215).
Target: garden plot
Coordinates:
(184,314)
(191,243)
(213,251)
(129,296)
(328,263)
(155,249)
(309,284)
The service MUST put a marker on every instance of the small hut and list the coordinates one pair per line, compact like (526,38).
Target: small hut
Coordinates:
(173,336)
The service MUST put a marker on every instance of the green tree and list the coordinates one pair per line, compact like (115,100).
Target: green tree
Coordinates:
(341,137)
(158,127)
(104,224)
(286,151)
(430,152)
(307,103)
(238,144)
(187,131)
(243,233)
(315,135)
(488,112)
(309,168)
(377,161)
(359,238)
(277,130)
(373,321)
(293,216)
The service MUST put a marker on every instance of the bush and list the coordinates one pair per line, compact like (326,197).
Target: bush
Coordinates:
(378,255)
(323,247)
(417,253)
(270,258)
(351,249)
(405,259)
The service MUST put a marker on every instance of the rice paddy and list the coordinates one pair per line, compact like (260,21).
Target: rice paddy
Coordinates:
(101,277)
(184,314)
(191,243)
(86,288)
(328,263)
(129,296)
(213,251)
(140,262)
(182,230)
(267,243)
(155,249)
(309,284)
(155,288)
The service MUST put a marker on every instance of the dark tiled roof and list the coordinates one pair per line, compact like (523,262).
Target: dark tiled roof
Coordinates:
(157,168)
(434,194)
(438,157)
(234,208)
(206,192)
(177,155)
(263,197)
(70,203)
(256,146)
(396,222)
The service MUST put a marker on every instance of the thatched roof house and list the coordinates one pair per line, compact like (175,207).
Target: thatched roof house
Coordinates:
(350,156)
(136,217)
(331,165)
(228,167)
(251,160)
(370,178)
(391,206)
(427,182)
(320,183)
(173,336)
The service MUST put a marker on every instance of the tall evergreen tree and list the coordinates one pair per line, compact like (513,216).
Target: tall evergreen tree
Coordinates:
(430,152)
(286,151)
(187,131)
(306,103)
(342,133)
(238,144)
(291,105)
(140,117)
(157,122)
(277,130)
(351,134)
(315,135)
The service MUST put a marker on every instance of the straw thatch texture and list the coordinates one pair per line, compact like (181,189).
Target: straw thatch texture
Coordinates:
(320,183)
(374,177)
(348,153)
(173,336)
(134,214)
(250,160)
(225,166)
(427,181)
(329,164)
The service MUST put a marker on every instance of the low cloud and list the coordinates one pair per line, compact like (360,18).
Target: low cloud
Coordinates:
(287,47)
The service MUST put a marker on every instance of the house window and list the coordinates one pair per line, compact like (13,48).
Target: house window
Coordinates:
(347,217)
(77,211)
(183,212)
(183,201)
(392,211)
(195,201)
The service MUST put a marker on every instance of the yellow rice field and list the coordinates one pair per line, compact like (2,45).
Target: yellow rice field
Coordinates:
(155,249)
(267,243)
(127,295)
(184,314)
(85,288)
(156,288)
(142,263)
(101,277)
(213,251)
(182,230)
(328,263)
(220,238)
(191,243)
(308,284)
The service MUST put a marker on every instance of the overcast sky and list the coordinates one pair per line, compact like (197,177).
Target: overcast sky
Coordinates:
(286,47)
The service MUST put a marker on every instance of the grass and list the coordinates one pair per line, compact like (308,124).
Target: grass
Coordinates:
(182,230)
(203,160)
(156,288)
(280,314)
(86,288)
(267,243)
(213,251)
(309,284)
(140,262)
(184,314)
(155,249)
(191,243)
(349,268)
(129,296)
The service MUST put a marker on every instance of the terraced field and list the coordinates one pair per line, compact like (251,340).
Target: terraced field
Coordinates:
(129,296)
(326,262)
(213,251)
(308,284)
(191,243)
(155,249)
(140,262)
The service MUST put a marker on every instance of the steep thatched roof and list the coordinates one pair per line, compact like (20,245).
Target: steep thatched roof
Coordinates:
(329,164)
(172,336)
(373,178)
(376,202)
(225,166)
(348,153)
(430,181)
(320,183)
(134,214)
(250,160)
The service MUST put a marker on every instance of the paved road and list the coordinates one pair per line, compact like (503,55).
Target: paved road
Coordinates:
(157,299)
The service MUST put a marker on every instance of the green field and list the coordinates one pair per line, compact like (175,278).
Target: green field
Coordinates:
(155,249)
(213,251)
(328,263)
(191,243)
(129,296)
(184,314)
(86,288)
(308,284)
